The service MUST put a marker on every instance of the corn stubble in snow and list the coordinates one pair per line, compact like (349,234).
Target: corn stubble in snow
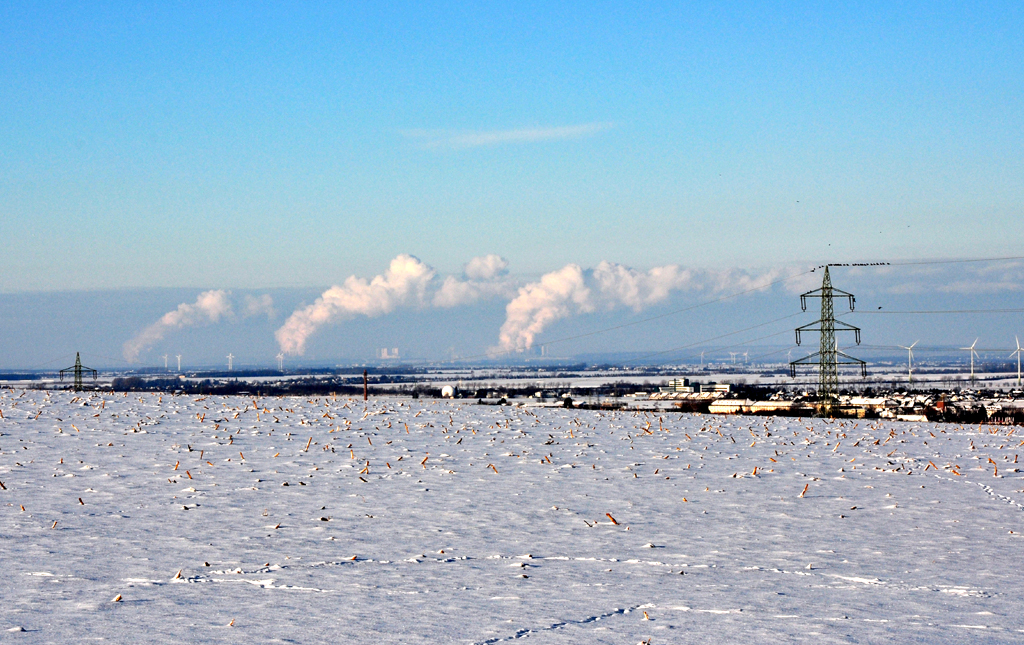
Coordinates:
(215,519)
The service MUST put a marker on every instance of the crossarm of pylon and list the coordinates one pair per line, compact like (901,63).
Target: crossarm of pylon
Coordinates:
(839,326)
(844,294)
(807,327)
(817,293)
(850,360)
(806,360)
(815,359)
(71,371)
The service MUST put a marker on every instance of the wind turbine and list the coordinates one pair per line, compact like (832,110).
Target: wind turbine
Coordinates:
(231,362)
(745,356)
(702,359)
(910,360)
(165,362)
(179,362)
(1017,352)
(973,354)
(280,362)
(732,355)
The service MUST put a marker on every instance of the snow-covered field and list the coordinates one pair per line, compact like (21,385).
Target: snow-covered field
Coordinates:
(314,521)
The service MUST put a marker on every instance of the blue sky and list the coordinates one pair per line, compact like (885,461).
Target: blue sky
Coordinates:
(281,145)
(265,146)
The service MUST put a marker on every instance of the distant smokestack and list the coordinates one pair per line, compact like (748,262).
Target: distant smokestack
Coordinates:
(366,388)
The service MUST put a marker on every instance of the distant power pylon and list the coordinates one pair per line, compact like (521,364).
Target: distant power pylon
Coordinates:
(77,369)
(828,358)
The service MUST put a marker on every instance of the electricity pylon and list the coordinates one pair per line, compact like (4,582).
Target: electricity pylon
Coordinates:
(77,369)
(828,358)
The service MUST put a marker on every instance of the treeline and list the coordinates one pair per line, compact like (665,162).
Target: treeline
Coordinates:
(350,386)
(296,387)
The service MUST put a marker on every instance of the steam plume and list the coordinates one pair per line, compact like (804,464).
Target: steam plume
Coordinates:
(405,280)
(558,294)
(210,307)
(571,290)
(408,281)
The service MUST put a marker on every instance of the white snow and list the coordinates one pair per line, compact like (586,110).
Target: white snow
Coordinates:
(232,519)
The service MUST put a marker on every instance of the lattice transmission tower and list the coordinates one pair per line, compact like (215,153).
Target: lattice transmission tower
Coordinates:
(77,370)
(828,358)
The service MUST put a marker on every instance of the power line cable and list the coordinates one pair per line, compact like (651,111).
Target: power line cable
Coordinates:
(956,261)
(942,311)
(673,313)
(926,348)
(714,338)
(65,357)
(760,288)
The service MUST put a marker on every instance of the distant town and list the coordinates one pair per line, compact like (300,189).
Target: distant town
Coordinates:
(944,393)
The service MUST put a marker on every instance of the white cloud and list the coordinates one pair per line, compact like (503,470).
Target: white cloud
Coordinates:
(486,277)
(957,278)
(455,293)
(475,139)
(486,267)
(259,306)
(621,285)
